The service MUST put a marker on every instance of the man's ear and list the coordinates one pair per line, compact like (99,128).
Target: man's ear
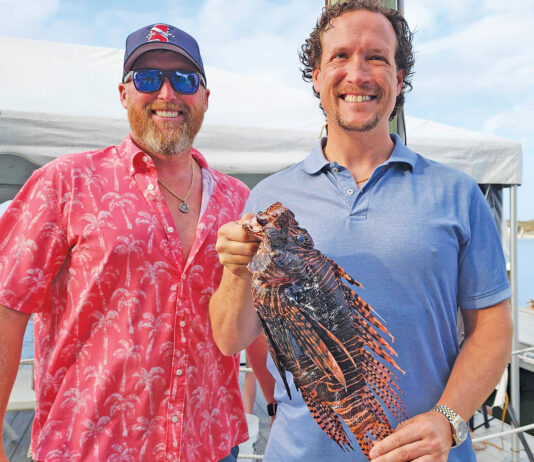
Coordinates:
(206,98)
(316,75)
(123,94)
(400,78)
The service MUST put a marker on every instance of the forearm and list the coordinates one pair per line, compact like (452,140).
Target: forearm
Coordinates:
(12,327)
(475,373)
(257,358)
(233,318)
(481,361)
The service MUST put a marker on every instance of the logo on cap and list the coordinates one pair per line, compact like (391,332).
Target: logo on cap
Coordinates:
(159,33)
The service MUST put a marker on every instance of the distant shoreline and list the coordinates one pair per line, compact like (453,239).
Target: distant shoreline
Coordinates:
(525,235)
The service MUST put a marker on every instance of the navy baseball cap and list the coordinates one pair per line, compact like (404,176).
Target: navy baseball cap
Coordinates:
(161,37)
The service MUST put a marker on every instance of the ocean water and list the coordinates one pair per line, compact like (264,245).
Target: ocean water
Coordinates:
(525,271)
(525,288)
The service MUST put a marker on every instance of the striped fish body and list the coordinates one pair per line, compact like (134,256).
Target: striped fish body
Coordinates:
(322,332)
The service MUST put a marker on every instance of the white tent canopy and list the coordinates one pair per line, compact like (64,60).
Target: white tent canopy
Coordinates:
(59,98)
(39,138)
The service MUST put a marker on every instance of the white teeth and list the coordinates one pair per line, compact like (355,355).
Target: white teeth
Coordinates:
(166,114)
(357,98)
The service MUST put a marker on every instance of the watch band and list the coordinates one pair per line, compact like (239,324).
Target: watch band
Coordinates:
(458,425)
(271,409)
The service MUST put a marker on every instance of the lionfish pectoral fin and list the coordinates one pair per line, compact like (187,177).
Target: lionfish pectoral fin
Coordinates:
(328,420)
(330,335)
(275,354)
(304,330)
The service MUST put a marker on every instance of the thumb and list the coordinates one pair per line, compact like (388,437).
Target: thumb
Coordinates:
(246,217)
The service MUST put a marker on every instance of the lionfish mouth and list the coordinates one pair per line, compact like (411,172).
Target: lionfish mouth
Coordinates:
(252,226)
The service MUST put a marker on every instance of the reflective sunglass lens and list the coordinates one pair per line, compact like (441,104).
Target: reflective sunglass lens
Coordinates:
(151,80)
(148,81)
(185,82)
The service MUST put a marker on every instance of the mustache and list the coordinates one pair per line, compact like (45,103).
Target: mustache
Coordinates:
(166,106)
(359,89)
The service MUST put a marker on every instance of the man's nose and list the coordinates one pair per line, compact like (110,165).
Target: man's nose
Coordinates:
(166,91)
(358,70)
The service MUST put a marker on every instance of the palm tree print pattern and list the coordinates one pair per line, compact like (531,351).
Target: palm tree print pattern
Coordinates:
(126,368)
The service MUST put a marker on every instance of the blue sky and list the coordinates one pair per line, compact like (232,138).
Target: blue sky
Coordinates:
(474,68)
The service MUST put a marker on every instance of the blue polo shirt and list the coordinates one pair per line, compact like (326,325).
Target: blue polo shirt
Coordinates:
(421,239)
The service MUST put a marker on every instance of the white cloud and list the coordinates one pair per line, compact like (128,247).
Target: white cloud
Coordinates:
(485,67)
(259,37)
(516,119)
(26,18)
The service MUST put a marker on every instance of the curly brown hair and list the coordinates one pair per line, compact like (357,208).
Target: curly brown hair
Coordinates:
(310,54)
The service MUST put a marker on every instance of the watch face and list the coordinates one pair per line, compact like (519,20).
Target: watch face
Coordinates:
(461,432)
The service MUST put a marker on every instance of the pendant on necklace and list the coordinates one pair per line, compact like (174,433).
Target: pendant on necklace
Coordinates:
(184,208)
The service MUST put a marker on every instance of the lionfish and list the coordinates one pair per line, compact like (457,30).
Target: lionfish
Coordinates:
(322,332)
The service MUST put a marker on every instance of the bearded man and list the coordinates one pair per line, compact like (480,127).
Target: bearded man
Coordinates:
(113,253)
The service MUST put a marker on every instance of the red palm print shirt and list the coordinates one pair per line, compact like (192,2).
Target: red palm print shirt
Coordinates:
(126,366)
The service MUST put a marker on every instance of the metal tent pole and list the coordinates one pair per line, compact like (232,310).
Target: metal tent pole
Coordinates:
(514,361)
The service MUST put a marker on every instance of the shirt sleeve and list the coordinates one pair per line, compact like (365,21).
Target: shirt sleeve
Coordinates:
(33,245)
(482,278)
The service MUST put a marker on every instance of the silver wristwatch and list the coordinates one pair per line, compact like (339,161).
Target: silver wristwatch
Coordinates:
(458,425)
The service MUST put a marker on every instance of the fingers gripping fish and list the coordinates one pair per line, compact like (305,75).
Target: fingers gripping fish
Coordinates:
(322,332)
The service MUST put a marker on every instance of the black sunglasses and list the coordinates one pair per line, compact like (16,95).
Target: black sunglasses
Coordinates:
(151,80)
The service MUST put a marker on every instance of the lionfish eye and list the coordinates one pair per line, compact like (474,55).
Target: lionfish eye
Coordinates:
(301,238)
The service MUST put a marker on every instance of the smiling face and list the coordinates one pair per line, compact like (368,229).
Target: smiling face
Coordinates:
(357,77)
(163,122)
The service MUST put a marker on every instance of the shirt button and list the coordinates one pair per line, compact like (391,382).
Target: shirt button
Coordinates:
(335,169)
(174,419)
(150,187)
(182,323)
(179,372)
(170,229)
(350,192)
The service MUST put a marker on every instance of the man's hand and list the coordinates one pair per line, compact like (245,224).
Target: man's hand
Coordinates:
(424,438)
(236,247)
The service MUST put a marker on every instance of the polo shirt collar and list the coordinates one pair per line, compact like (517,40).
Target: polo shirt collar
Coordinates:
(401,154)
(316,161)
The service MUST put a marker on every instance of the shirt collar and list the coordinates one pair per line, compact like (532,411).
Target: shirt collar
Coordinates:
(138,159)
(316,161)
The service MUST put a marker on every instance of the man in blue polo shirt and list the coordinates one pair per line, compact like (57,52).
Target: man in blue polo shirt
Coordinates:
(418,235)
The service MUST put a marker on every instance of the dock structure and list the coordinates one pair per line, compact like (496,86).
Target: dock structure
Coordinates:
(526,338)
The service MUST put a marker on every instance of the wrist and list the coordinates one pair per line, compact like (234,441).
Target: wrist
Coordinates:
(271,408)
(458,426)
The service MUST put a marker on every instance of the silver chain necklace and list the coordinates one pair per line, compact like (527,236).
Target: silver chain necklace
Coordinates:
(183,207)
